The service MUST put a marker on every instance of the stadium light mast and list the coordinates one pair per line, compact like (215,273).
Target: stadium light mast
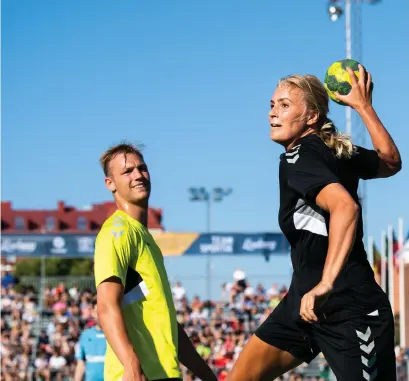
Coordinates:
(335,12)
(202,194)
(353,42)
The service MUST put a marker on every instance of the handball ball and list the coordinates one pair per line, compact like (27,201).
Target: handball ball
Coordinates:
(337,78)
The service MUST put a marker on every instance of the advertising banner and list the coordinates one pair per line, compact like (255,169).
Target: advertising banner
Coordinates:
(171,244)
(34,245)
(239,244)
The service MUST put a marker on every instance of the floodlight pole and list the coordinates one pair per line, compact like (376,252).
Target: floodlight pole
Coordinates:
(353,40)
(348,40)
(209,213)
(40,310)
(209,196)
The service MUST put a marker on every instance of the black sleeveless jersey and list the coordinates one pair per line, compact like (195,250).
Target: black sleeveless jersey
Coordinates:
(304,171)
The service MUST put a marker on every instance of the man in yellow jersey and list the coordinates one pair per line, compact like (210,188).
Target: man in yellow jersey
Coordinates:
(135,305)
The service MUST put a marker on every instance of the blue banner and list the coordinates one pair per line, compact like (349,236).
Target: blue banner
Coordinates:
(236,244)
(34,245)
(72,245)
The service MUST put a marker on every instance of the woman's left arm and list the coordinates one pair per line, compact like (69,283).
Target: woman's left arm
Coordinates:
(344,215)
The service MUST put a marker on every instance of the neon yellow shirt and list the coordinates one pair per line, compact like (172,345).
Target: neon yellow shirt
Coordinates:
(124,248)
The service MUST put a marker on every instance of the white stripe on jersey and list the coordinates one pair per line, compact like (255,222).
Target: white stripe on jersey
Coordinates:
(306,218)
(137,293)
(94,359)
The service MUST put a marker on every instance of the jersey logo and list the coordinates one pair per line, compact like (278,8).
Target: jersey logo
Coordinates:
(292,156)
(118,229)
(117,234)
(368,356)
(118,221)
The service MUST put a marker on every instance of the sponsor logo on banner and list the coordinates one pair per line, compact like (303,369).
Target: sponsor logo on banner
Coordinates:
(11,246)
(85,244)
(218,244)
(259,245)
(58,246)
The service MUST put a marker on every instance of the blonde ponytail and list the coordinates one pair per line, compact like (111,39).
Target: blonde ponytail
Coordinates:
(336,141)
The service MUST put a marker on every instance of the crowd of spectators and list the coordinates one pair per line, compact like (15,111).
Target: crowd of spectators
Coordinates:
(219,330)
(65,314)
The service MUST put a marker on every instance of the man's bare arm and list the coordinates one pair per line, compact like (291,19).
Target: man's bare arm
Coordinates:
(109,298)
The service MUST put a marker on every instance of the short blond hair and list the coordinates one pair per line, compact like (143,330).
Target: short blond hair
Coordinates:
(316,99)
(112,152)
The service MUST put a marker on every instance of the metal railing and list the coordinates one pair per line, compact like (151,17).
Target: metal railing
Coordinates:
(82,282)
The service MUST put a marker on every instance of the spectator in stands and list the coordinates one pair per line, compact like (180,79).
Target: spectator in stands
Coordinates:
(178,291)
(226,292)
(8,279)
(42,369)
(60,289)
(179,296)
(273,291)
(57,364)
(240,283)
(260,293)
(74,292)
(90,352)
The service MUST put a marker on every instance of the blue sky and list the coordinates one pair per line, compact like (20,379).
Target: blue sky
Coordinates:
(192,81)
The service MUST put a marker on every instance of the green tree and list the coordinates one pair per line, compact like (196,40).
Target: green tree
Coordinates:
(82,267)
(28,267)
(55,267)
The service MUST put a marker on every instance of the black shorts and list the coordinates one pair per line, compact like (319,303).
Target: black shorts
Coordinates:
(358,348)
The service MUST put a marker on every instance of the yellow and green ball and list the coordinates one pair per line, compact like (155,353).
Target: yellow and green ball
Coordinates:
(337,78)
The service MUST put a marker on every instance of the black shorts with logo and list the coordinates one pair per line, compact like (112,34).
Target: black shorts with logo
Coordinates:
(357,339)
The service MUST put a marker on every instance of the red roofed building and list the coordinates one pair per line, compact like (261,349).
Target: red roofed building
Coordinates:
(65,219)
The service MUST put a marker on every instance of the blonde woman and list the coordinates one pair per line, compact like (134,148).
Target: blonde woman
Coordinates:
(334,305)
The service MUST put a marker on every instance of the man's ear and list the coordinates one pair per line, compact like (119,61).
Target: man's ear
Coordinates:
(313,117)
(110,184)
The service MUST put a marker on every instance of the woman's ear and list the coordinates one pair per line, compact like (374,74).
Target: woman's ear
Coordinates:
(313,117)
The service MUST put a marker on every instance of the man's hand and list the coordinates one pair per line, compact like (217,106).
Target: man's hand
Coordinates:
(313,300)
(133,372)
